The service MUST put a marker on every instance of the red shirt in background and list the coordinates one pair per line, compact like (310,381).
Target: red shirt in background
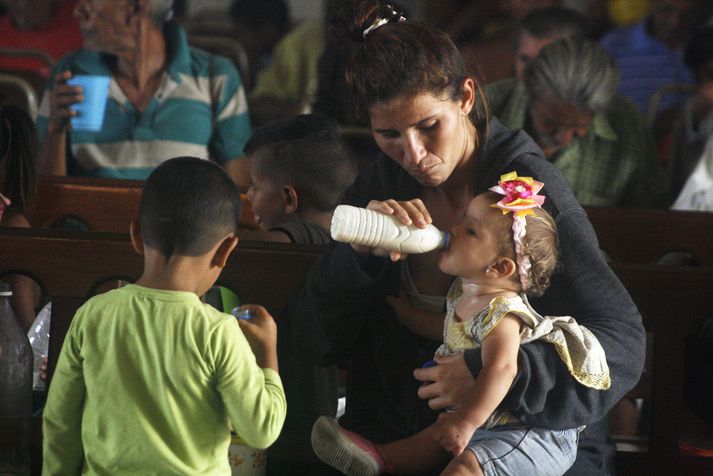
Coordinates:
(61,36)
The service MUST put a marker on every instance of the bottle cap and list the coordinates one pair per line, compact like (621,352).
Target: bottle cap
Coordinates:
(242,313)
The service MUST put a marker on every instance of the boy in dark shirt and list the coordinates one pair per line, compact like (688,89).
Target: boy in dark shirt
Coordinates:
(299,170)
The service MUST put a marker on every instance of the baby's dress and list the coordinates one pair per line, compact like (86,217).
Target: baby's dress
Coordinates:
(578,348)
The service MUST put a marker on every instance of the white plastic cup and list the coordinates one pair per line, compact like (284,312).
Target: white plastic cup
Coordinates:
(90,112)
(361,226)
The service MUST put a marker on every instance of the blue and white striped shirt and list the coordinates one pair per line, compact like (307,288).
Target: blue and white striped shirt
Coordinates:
(200,109)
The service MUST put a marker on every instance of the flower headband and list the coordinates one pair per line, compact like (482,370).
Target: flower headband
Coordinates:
(520,199)
(379,22)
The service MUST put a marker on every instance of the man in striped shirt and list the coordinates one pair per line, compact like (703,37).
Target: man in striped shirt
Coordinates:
(166,99)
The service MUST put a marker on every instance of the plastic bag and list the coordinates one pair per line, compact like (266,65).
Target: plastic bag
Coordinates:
(39,336)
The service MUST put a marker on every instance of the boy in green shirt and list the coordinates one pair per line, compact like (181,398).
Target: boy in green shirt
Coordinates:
(151,380)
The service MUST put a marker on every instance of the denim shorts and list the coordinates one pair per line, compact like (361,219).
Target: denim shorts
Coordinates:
(517,449)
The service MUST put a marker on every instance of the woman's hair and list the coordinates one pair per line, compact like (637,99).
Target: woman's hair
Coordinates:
(398,58)
(575,71)
(19,146)
(541,245)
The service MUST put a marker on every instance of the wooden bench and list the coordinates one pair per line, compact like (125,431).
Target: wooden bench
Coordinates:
(663,294)
(631,235)
(100,204)
(672,301)
(70,266)
(625,234)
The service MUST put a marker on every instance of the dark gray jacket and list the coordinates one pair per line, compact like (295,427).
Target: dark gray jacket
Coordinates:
(340,316)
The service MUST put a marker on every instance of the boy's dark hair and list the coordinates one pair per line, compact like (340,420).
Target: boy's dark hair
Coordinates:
(19,145)
(187,206)
(261,12)
(307,152)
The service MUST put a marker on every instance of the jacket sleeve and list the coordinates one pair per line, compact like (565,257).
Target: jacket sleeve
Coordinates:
(327,316)
(543,393)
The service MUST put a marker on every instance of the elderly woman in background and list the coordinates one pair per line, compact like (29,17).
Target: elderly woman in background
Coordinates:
(566,100)
(165,98)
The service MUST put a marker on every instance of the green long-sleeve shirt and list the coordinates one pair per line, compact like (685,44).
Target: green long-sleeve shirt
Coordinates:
(152,382)
(615,164)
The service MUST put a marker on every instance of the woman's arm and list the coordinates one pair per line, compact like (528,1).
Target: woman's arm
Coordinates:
(424,323)
(543,393)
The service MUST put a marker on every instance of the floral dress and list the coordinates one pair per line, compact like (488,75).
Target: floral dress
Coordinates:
(578,348)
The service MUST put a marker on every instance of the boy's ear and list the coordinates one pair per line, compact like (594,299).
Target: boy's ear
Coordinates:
(503,267)
(289,198)
(137,240)
(222,253)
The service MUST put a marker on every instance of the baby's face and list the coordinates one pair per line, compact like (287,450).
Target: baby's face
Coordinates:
(473,245)
(266,198)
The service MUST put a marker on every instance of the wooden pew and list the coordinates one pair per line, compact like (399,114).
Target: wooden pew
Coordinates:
(631,235)
(101,204)
(672,301)
(662,294)
(70,266)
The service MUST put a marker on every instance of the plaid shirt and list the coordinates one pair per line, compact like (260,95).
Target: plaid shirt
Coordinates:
(615,164)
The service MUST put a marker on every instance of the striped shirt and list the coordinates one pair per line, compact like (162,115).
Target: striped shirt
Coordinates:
(200,109)
(646,65)
(615,164)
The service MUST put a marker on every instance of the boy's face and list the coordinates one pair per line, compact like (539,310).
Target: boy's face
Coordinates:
(266,198)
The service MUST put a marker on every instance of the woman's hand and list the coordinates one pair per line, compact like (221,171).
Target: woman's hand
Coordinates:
(445,384)
(411,212)
(62,97)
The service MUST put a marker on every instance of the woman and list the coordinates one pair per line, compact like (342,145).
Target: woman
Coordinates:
(440,149)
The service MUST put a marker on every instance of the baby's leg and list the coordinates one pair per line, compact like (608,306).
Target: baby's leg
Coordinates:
(356,456)
(416,454)
(465,464)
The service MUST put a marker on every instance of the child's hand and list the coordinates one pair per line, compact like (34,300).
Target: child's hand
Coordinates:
(453,432)
(261,333)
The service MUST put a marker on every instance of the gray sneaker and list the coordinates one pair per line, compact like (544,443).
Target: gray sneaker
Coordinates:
(344,450)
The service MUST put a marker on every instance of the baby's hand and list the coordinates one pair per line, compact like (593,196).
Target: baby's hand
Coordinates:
(261,333)
(453,432)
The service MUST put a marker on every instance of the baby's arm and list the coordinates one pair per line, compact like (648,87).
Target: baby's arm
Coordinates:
(499,352)
(424,323)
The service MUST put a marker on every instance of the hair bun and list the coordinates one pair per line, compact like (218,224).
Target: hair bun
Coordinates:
(355,19)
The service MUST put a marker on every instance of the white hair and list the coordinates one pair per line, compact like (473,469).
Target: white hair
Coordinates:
(575,71)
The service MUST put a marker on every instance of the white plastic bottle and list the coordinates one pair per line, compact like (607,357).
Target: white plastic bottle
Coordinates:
(365,227)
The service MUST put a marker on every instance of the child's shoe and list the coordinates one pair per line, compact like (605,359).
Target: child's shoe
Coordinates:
(344,450)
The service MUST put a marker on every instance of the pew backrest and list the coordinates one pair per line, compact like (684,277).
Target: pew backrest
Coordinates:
(70,266)
(106,205)
(645,236)
(672,300)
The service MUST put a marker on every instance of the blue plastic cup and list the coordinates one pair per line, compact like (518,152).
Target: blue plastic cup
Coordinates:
(90,112)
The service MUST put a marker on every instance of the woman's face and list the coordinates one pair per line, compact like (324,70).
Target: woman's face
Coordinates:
(428,136)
